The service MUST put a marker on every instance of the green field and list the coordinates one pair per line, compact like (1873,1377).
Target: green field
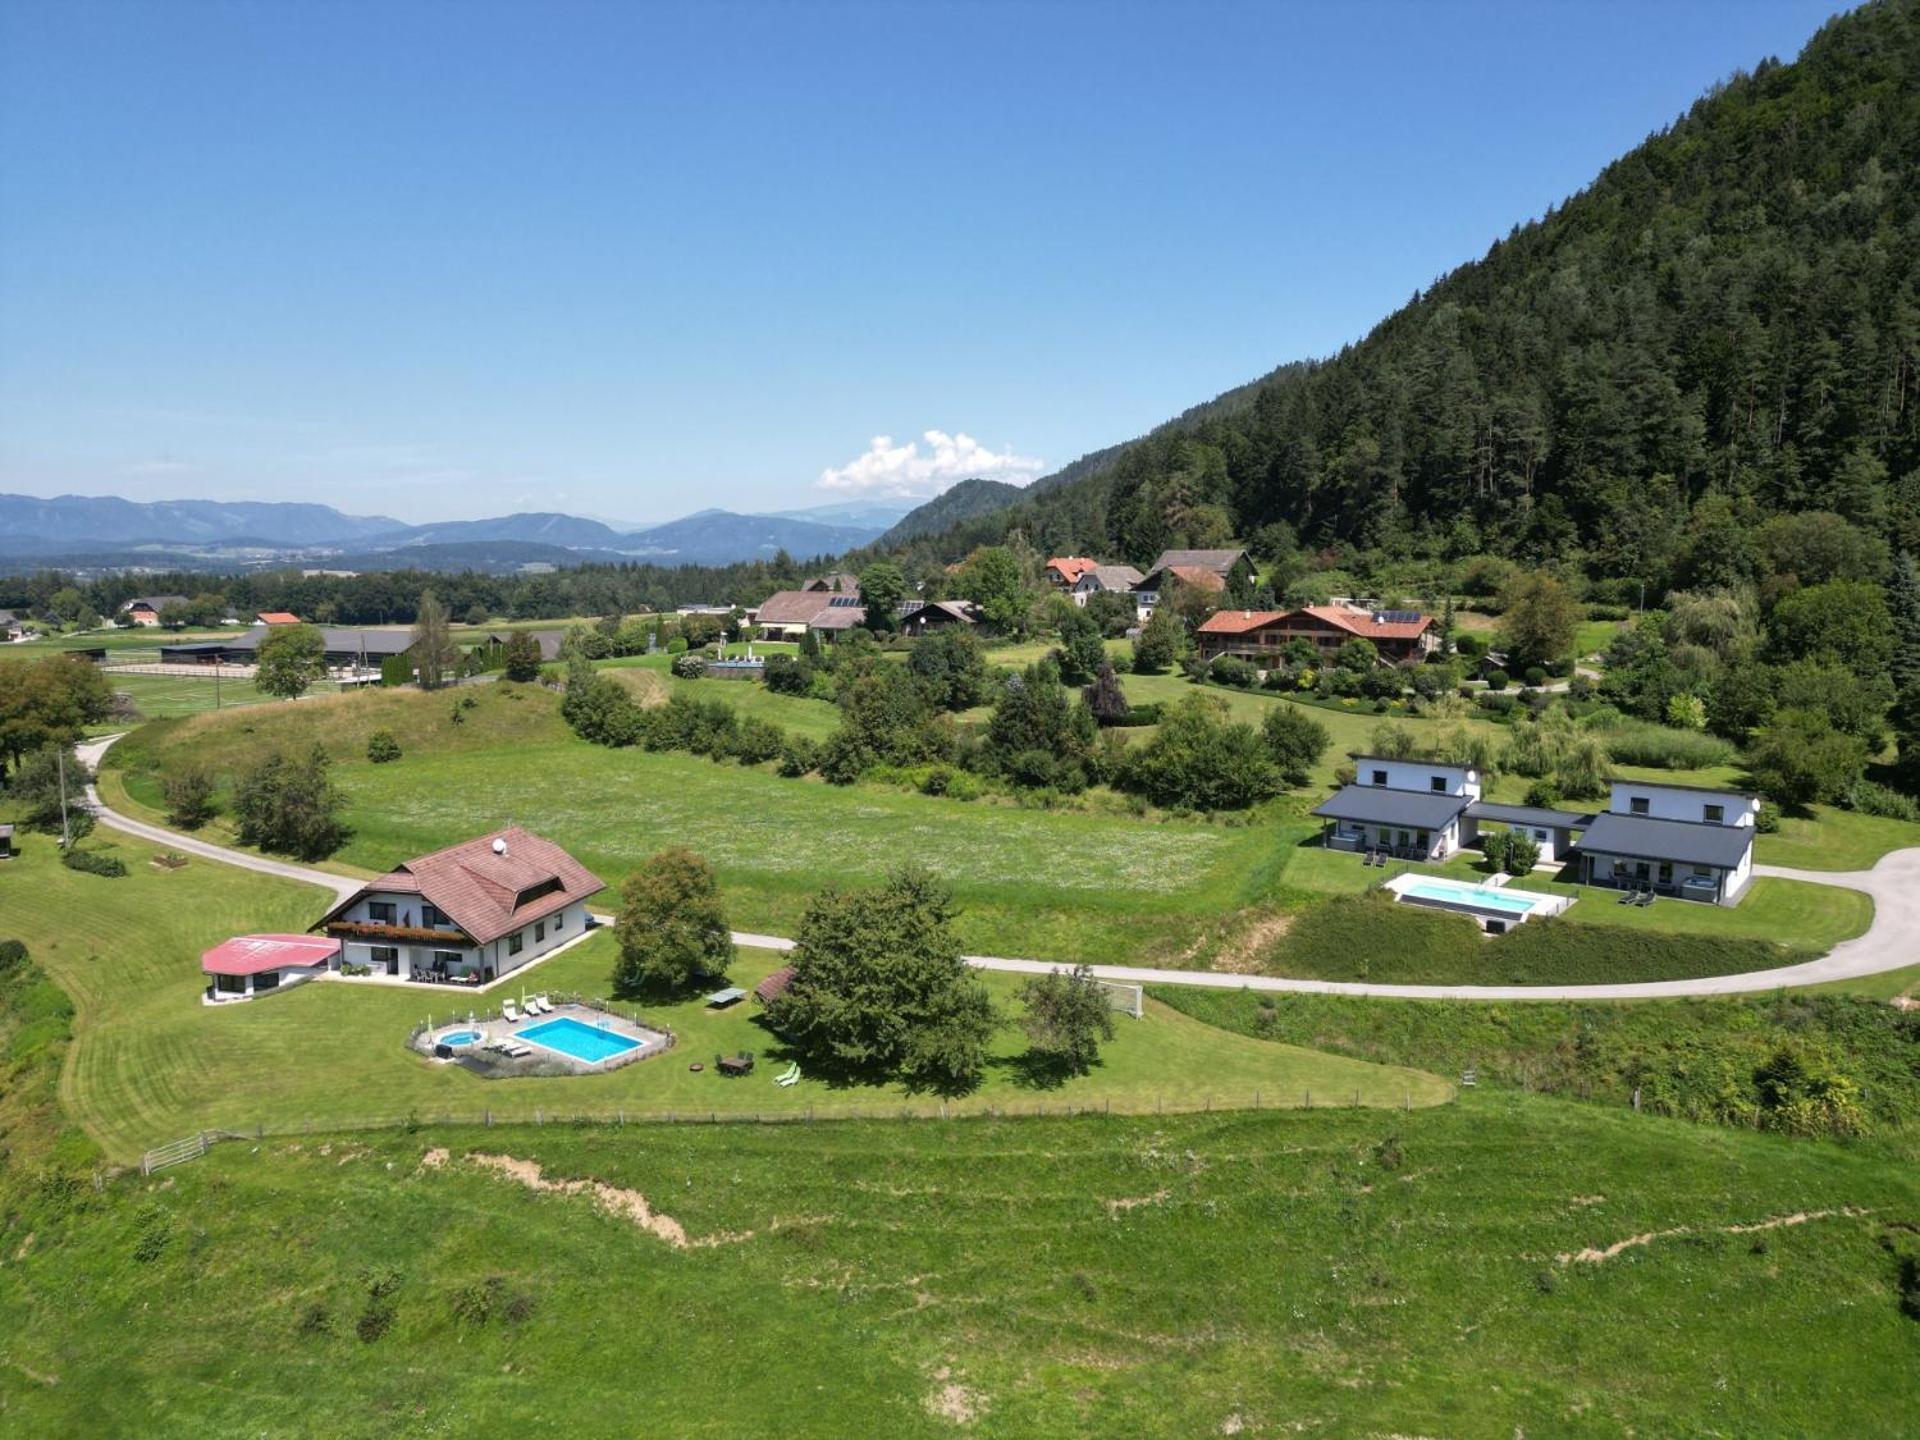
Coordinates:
(1095,883)
(1337,1273)
(152,1063)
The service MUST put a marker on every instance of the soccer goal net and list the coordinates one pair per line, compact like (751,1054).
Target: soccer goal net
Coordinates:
(1123,997)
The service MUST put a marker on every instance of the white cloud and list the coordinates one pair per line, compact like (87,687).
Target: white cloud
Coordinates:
(907,471)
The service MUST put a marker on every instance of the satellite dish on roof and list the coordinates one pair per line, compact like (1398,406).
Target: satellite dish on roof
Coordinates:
(500,845)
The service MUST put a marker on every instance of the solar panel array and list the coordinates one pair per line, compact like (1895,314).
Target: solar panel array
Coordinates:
(1395,617)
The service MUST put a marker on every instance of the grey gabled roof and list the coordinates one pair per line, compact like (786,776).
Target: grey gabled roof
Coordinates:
(1383,805)
(1683,842)
(1530,815)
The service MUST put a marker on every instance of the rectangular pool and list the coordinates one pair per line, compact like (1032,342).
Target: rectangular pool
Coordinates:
(1479,897)
(578,1040)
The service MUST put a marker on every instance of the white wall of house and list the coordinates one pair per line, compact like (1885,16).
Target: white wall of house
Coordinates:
(245,987)
(1419,775)
(402,957)
(1623,870)
(1695,806)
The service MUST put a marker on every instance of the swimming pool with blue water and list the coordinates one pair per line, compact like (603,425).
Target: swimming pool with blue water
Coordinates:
(578,1040)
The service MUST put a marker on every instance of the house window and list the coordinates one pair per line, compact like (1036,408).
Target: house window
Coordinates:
(387,956)
(559,922)
(1438,783)
(1666,872)
(266,980)
(515,943)
(443,958)
(380,911)
(1379,777)
(431,915)
(1715,814)
(539,931)
(230,984)
(1702,872)
(1638,805)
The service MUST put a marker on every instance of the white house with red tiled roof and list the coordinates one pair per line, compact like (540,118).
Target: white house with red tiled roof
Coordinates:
(474,911)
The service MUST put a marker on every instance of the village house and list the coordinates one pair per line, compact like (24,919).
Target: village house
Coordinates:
(250,965)
(1680,840)
(276,617)
(839,583)
(1413,809)
(145,609)
(1160,581)
(474,911)
(919,617)
(1064,571)
(1228,569)
(549,641)
(12,626)
(1119,579)
(1402,637)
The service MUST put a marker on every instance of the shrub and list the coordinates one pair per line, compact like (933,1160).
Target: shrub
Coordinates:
(677,645)
(382,748)
(788,675)
(91,863)
(688,667)
(798,756)
(12,953)
(1872,798)
(1660,748)
(1536,675)
(1231,670)
(1543,795)
(1149,714)
(1767,820)
(189,796)
(757,741)
(1199,758)
(1497,679)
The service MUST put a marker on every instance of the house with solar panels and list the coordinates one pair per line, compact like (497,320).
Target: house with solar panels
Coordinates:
(1402,637)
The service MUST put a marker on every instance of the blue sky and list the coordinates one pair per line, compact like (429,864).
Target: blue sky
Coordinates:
(457,259)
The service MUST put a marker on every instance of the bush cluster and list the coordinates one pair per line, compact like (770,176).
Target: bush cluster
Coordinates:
(92,863)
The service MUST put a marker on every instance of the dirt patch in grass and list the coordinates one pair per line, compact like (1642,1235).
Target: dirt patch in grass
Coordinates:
(950,1400)
(621,1203)
(1595,1256)
(1134,1202)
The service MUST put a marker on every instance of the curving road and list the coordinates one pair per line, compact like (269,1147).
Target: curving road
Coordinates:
(1891,942)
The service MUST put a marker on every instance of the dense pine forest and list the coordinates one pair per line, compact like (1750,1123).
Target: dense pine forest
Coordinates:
(1723,327)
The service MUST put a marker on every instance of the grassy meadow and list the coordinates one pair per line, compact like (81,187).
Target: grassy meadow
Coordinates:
(1094,882)
(152,1063)
(1508,1265)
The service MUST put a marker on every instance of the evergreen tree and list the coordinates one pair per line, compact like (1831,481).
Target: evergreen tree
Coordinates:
(1163,640)
(435,655)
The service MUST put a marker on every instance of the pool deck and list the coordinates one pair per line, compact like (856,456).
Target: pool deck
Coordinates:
(544,1060)
(1460,898)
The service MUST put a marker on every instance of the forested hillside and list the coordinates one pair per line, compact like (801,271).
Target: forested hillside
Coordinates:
(1725,325)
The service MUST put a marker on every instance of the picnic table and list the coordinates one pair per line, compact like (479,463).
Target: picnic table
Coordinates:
(734,1064)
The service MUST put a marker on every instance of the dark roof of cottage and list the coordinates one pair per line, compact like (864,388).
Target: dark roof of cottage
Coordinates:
(488,893)
(959,609)
(1383,805)
(153,602)
(550,641)
(1201,577)
(792,607)
(1112,577)
(338,640)
(1683,842)
(1218,561)
(1530,815)
(775,985)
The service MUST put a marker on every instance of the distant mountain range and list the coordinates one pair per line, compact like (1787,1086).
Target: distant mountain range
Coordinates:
(98,528)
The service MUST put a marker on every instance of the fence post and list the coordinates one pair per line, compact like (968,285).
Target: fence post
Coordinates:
(1309,1101)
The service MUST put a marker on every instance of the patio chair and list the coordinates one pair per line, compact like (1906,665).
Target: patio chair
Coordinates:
(510,1012)
(519,1052)
(1626,897)
(788,1077)
(1645,897)
(545,1005)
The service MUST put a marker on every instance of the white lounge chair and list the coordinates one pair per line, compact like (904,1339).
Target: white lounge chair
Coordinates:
(519,1052)
(788,1077)
(510,1012)
(542,1004)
